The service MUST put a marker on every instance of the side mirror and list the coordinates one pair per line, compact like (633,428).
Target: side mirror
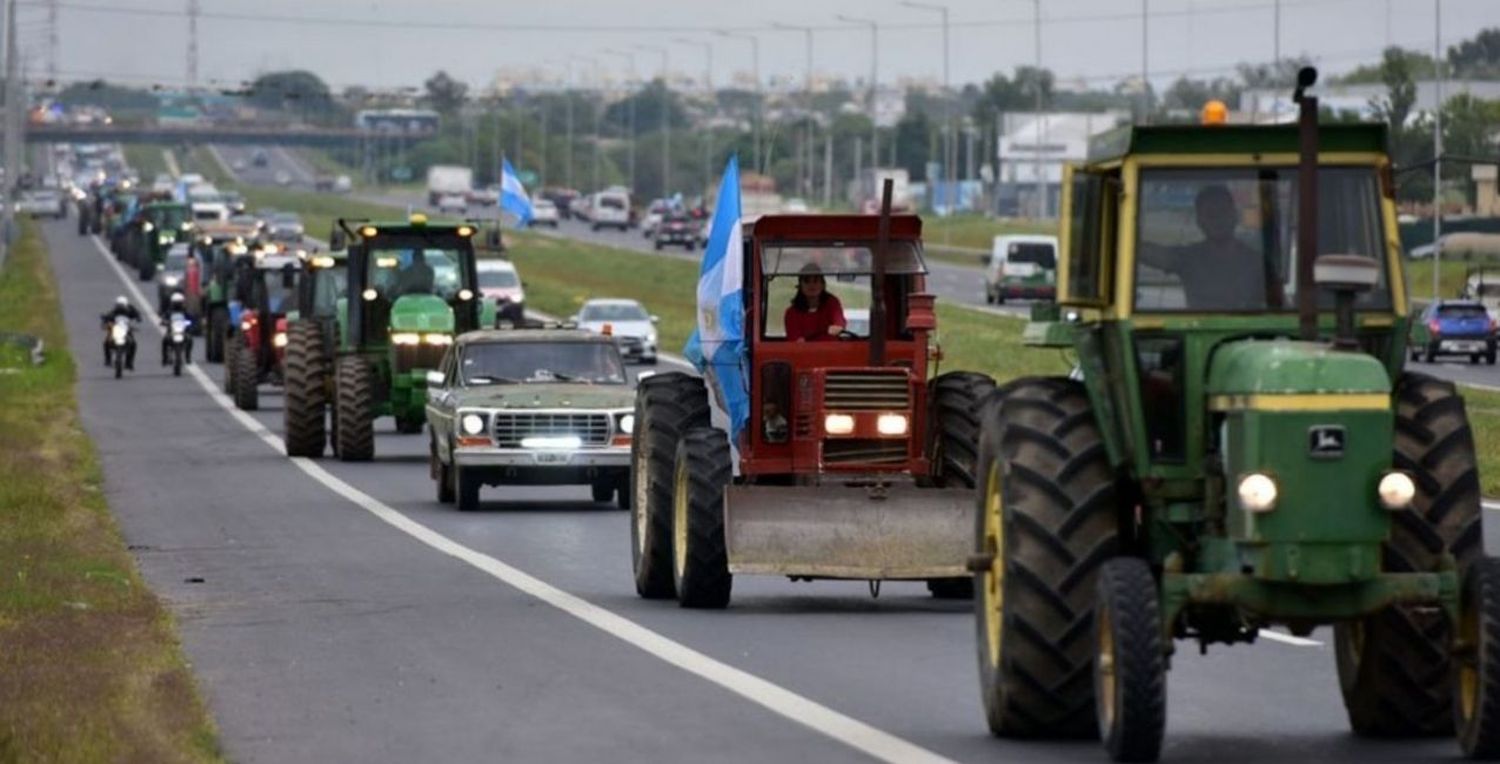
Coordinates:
(435,379)
(656,319)
(337,240)
(1346,276)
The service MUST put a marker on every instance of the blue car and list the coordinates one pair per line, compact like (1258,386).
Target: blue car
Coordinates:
(1453,327)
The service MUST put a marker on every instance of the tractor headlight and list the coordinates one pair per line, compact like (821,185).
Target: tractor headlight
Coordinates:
(627,424)
(891,424)
(473,424)
(369,295)
(164,239)
(838,424)
(465,295)
(279,339)
(406,338)
(438,339)
(1257,492)
(171,281)
(147,227)
(1396,490)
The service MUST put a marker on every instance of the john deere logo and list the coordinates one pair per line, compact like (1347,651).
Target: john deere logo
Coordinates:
(1325,441)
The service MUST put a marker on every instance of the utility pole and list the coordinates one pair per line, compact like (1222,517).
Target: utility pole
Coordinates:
(568,118)
(1041,182)
(52,43)
(874,86)
(755,118)
(1437,145)
(1145,62)
(192,45)
(593,107)
(629,108)
(805,169)
(948,137)
(666,119)
(704,136)
(15,104)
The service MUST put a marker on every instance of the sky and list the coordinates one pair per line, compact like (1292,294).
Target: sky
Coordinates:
(398,43)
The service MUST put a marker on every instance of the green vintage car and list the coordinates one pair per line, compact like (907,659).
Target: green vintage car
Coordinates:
(547,406)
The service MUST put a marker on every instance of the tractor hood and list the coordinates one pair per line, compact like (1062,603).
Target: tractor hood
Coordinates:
(550,395)
(421,313)
(1287,367)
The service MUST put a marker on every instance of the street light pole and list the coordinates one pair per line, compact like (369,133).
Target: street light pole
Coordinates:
(1041,182)
(630,109)
(666,120)
(708,94)
(593,77)
(948,157)
(874,86)
(568,118)
(1437,145)
(755,71)
(804,156)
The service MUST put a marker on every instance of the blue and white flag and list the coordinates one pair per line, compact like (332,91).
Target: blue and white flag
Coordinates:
(513,197)
(717,346)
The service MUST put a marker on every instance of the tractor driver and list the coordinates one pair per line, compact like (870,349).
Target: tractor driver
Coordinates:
(815,313)
(416,277)
(1220,272)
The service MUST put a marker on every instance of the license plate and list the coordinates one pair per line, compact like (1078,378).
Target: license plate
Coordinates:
(1466,347)
(552,458)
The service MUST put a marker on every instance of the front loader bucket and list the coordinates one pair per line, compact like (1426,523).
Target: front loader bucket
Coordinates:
(857,532)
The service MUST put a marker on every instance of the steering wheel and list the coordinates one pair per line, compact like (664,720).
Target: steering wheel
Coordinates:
(845,334)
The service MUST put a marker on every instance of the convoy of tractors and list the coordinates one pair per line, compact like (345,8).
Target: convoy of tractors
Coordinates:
(1240,445)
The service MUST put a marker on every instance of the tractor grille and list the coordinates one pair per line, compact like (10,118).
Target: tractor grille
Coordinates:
(866,391)
(409,357)
(866,452)
(512,426)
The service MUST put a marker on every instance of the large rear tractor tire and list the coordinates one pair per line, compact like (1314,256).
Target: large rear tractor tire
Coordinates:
(700,551)
(666,406)
(231,366)
(244,386)
(1047,518)
(1130,668)
(956,401)
(306,395)
(1477,671)
(1394,667)
(355,400)
(213,345)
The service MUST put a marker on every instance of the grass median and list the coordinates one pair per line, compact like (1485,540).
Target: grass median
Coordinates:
(90,667)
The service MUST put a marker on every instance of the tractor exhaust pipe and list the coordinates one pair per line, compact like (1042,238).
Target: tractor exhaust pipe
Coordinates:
(1307,202)
(877,279)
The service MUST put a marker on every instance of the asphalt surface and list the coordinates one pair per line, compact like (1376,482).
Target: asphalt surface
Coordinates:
(337,612)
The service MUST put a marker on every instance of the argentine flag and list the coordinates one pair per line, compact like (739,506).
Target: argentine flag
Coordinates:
(513,197)
(717,346)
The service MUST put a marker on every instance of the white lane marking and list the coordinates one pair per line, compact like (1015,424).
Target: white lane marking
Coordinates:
(1276,636)
(1491,505)
(862,737)
(170,160)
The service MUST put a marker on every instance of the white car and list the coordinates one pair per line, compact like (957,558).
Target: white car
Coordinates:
(654,213)
(632,327)
(499,281)
(283,178)
(609,209)
(544,212)
(44,202)
(454,204)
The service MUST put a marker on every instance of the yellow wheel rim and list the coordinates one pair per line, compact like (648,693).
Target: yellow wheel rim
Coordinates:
(1468,667)
(679,518)
(638,507)
(994,578)
(1105,668)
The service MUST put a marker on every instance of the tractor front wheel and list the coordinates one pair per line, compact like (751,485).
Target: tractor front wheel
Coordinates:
(666,406)
(306,392)
(1394,667)
(1130,671)
(442,474)
(246,380)
(218,325)
(231,366)
(956,401)
(1047,522)
(355,401)
(700,553)
(1476,683)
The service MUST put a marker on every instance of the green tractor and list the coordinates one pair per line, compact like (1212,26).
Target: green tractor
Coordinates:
(216,246)
(1238,448)
(155,228)
(312,339)
(411,287)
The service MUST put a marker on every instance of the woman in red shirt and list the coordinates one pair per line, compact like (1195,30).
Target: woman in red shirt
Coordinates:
(815,314)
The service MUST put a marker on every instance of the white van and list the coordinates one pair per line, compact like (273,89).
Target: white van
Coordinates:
(1021,267)
(609,209)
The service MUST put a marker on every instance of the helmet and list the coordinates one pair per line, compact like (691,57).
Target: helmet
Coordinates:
(176,298)
(121,301)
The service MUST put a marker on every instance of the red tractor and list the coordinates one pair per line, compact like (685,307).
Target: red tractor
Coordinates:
(852,464)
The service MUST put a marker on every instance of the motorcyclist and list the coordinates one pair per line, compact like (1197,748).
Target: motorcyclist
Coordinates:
(176,306)
(122,307)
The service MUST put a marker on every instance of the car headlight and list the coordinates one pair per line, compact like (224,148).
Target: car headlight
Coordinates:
(627,424)
(438,339)
(473,424)
(651,338)
(171,281)
(406,338)
(891,424)
(1396,490)
(1257,492)
(838,424)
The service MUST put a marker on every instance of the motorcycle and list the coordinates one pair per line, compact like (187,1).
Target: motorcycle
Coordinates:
(121,337)
(177,342)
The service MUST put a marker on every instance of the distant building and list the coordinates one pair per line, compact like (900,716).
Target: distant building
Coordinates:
(1032,148)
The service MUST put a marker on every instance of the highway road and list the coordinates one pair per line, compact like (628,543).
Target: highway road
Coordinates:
(338,612)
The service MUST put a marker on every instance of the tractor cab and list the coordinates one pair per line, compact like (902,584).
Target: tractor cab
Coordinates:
(157,226)
(321,291)
(264,289)
(1238,448)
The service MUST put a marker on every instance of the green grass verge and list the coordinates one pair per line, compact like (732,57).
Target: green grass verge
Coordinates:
(977,231)
(90,668)
(146,159)
(1451,277)
(1484,417)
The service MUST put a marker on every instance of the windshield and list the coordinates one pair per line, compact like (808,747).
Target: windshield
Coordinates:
(285,219)
(1035,254)
(1225,239)
(168,218)
(329,286)
(176,259)
(498,279)
(615,312)
(399,271)
(838,257)
(612,203)
(1462,311)
(533,362)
